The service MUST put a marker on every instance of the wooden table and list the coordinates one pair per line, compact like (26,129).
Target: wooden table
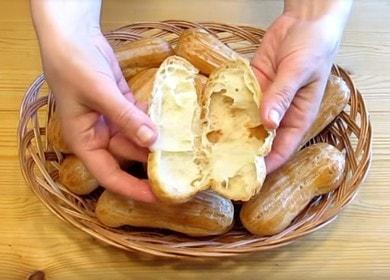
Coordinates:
(355,246)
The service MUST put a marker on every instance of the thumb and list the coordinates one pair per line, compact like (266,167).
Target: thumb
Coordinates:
(124,114)
(279,95)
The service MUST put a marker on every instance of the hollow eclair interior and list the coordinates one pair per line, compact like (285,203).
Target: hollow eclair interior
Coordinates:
(209,137)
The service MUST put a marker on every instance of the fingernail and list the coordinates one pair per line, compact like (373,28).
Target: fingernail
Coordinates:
(145,134)
(274,116)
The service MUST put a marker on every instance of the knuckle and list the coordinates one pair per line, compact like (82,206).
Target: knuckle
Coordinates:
(285,96)
(111,176)
(125,117)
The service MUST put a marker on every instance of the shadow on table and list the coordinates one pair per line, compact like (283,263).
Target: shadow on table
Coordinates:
(276,259)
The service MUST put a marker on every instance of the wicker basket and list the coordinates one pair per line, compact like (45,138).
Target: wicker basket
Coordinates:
(351,132)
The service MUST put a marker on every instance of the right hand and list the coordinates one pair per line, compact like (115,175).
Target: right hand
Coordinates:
(292,65)
(99,116)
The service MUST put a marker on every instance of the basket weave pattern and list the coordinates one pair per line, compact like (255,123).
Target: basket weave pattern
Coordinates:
(350,132)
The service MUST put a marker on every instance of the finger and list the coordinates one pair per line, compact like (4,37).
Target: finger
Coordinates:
(264,79)
(263,62)
(130,97)
(295,124)
(284,145)
(278,97)
(131,121)
(120,147)
(263,71)
(120,79)
(108,173)
(142,106)
(108,53)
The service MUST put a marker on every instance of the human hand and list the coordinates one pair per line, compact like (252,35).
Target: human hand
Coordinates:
(99,116)
(293,64)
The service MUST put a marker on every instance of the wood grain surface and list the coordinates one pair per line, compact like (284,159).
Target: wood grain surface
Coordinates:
(354,246)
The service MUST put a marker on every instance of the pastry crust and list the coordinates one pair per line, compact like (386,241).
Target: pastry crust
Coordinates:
(209,136)
(203,50)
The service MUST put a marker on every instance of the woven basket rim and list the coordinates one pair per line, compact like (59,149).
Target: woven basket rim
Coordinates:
(354,123)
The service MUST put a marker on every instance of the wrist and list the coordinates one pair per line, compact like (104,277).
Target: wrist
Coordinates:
(65,20)
(315,10)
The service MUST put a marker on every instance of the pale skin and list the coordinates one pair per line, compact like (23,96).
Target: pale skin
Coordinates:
(101,120)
